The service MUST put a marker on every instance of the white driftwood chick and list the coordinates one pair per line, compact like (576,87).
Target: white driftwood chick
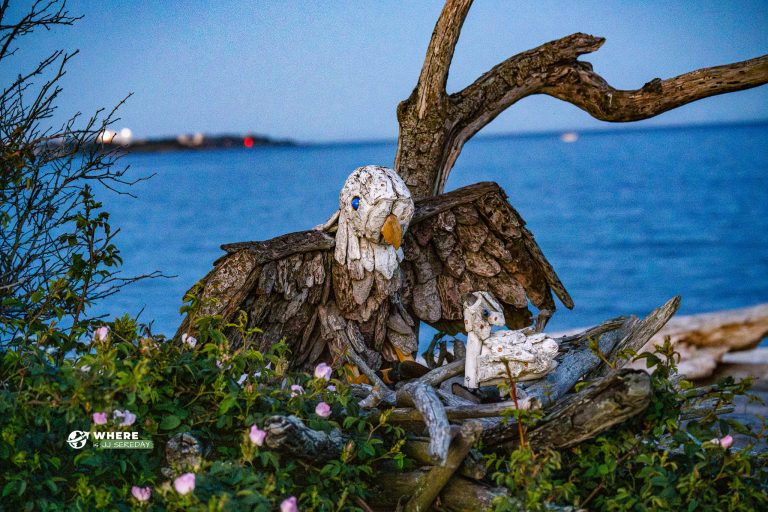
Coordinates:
(529,356)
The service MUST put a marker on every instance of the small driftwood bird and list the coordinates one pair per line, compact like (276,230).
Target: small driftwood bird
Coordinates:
(350,285)
(494,357)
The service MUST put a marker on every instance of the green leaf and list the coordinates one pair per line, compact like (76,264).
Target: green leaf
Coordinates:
(170,422)
(227,404)
(8,487)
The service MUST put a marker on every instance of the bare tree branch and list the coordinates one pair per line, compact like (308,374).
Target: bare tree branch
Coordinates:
(581,86)
(434,126)
(430,88)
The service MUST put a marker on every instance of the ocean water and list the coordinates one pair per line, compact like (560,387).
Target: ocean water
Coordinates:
(627,218)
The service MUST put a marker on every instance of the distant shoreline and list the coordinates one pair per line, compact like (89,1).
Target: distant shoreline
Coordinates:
(196,142)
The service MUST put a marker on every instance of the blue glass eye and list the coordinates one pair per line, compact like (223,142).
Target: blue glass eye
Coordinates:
(486,313)
(355,203)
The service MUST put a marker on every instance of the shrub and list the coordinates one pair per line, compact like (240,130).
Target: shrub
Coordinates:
(205,389)
(656,461)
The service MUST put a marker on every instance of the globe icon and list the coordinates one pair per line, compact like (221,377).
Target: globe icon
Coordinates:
(77,439)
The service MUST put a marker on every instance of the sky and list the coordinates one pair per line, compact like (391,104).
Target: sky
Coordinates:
(328,71)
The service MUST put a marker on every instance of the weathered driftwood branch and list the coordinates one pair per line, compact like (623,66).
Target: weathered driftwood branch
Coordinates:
(435,125)
(432,483)
(582,361)
(423,397)
(473,466)
(462,412)
(289,435)
(582,87)
(443,373)
(639,335)
(594,409)
(458,495)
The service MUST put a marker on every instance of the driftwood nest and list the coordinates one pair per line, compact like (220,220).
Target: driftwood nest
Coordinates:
(443,427)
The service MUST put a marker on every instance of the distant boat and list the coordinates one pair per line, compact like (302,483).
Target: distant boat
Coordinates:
(569,137)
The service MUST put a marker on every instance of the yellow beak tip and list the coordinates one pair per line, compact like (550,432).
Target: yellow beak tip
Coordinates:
(392,232)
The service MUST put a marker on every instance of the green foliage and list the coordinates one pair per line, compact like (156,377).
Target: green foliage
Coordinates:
(208,390)
(655,461)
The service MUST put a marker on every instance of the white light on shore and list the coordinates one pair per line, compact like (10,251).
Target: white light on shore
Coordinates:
(569,137)
(106,136)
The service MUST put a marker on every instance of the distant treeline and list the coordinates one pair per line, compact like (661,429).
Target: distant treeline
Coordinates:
(197,142)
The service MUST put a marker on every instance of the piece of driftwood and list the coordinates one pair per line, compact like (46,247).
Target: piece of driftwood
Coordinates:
(594,409)
(582,360)
(443,373)
(473,466)
(458,495)
(424,398)
(432,483)
(638,337)
(289,435)
(702,340)
(435,124)
(462,412)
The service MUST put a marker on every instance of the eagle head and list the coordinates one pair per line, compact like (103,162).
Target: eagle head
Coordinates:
(375,207)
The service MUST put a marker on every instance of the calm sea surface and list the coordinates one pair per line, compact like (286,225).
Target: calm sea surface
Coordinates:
(627,219)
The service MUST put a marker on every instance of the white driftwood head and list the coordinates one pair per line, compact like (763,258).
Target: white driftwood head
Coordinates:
(481,311)
(375,208)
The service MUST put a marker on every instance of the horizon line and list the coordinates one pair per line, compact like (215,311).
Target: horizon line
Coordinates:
(550,132)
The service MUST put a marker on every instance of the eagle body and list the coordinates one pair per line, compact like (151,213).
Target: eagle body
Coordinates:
(324,299)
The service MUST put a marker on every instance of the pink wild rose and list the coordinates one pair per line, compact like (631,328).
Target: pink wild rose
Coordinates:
(100,418)
(323,410)
(289,505)
(185,483)
(257,435)
(296,390)
(323,371)
(726,442)
(126,418)
(141,493)
(101,333)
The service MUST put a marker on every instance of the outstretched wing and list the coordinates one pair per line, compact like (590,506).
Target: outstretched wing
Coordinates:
(472,239)
(279,283)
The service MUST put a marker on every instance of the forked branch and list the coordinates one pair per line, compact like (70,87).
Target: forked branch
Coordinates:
(435,125)
(581,86)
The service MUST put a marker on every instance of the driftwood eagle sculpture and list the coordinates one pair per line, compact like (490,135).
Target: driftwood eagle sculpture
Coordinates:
(364,279)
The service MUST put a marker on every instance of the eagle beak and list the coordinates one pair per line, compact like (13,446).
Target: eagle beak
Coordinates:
(392,232)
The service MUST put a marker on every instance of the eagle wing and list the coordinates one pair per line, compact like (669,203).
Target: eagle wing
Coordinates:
(468,240)
(280,283)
